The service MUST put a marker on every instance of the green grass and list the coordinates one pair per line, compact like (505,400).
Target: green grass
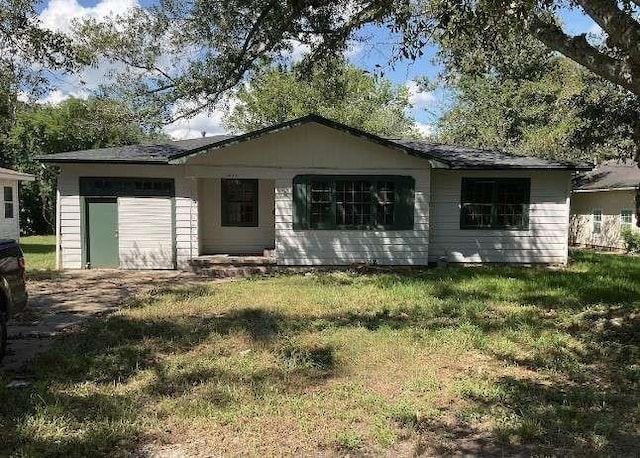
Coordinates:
(39,252)
(498,360)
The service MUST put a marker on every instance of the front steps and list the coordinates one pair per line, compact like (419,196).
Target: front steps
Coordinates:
(229,266)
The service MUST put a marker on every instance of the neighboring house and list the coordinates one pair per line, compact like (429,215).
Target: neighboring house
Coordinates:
(603,203)
(314,191)
(10,208)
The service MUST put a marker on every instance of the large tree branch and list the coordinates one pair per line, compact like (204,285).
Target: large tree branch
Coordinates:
(623,30)
(579,50)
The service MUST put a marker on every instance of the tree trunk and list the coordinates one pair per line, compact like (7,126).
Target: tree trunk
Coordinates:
(636,139)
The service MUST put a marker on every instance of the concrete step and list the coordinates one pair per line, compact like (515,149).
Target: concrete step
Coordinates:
(222,271)
(233,261)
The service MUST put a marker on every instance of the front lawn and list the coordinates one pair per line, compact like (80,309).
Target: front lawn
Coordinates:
(476,360)
(39,252)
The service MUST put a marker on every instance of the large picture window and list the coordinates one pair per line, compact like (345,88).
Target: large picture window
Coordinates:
(8,202)
(489,203)
(239,203)
(353,202)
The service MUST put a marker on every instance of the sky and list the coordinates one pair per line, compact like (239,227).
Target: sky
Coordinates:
(376,49)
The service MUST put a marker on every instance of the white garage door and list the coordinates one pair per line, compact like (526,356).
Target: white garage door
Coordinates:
(145,233)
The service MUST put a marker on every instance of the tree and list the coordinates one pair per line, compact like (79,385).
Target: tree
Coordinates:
(72,125)
(336,90)
(30,51)
(226,40)
(559,111)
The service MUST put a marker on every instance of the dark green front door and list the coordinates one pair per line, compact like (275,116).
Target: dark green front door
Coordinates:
(102,232)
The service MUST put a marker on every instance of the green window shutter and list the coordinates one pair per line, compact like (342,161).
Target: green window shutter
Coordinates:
(301,202)
(406,203)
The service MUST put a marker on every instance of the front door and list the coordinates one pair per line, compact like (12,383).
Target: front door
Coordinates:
(102,232)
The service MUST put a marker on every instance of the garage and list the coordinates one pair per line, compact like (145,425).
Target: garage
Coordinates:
(128,223)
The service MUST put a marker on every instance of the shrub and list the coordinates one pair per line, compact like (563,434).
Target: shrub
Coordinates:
(631,240)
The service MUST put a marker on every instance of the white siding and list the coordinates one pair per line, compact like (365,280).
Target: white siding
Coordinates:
(309,247)
(9,227)
(145,233)
(186,208)
(546,240)
(235,240)
(70,243)
(316,149)
(611,203)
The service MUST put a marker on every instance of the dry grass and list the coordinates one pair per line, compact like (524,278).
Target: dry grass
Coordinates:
(483,360)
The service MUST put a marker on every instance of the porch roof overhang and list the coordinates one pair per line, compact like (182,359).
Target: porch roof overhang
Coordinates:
(438,155)
(8,174)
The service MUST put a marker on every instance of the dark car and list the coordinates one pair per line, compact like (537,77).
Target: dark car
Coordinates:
(13,292)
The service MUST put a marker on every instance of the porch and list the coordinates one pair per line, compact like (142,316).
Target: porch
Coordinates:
(236,222)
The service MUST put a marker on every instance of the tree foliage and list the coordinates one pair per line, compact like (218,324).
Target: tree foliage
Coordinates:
(29,51)
(558,111)
(335,89)
(213,45)
(72,125)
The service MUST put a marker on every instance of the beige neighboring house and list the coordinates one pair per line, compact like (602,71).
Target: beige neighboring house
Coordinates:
(603,203)
(9,211)
(310,191)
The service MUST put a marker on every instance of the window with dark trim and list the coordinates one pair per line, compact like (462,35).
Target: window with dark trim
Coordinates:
(353,202)
(126,187)
(239,203)
(8,202)
(495,203)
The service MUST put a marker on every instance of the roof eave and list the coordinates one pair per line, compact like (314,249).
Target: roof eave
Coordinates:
(55,161)
(17,176)
(610,188)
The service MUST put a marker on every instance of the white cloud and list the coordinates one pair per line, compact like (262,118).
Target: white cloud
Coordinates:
(209,122)
(425,129)
(60,14)
(418,97)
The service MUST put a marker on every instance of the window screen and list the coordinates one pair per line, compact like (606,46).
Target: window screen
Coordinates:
(626,219)
(596,217)
(239,202)
(8,202)
(488,203)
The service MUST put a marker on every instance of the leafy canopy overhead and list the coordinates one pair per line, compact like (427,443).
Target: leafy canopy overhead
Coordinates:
(196,49)
(334,89)
(30,51)
(559,111)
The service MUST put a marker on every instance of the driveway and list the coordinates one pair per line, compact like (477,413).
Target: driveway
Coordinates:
(61,303)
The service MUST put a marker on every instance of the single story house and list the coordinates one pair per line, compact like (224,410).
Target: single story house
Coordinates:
(603,203)
(10,210)
(313,192)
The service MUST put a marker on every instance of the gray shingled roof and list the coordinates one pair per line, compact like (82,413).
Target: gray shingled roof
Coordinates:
(153,154)
(460,157)
(179,151)
(613,174)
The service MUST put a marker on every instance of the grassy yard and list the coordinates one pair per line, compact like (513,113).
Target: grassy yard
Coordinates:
(478,360)
(39,252)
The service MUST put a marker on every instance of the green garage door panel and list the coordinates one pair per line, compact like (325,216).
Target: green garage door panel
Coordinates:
(102,232)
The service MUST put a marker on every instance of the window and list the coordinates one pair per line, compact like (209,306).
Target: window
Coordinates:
(596,217)
(8,202)
(626,219)
(121,187)
(239,203)
(353,202)
(490,203)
